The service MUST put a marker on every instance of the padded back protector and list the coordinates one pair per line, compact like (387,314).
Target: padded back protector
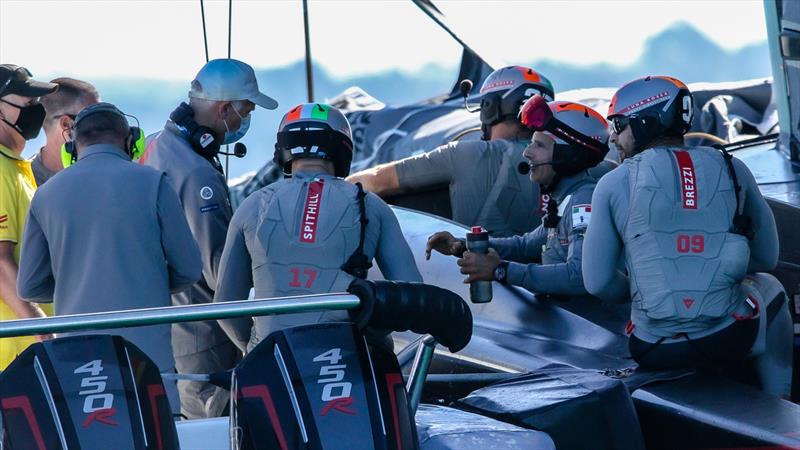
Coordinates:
(685,264)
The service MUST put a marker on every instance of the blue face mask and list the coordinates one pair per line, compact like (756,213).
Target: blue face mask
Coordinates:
(233,136)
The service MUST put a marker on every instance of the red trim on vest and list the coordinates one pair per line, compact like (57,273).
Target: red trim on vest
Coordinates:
(308,228)
(687,179)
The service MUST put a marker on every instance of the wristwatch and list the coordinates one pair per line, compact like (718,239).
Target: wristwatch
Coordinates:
(501,272)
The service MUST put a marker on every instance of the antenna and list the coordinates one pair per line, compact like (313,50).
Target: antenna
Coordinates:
(309,71)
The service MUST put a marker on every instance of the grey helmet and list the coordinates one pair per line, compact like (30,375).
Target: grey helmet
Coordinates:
(652,106)
(505,90)
(315,130)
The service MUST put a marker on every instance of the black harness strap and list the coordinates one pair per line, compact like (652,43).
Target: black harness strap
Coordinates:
(358,264)
(742,224)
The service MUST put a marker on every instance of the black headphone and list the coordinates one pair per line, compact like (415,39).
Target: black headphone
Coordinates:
(203,139)
(135,134)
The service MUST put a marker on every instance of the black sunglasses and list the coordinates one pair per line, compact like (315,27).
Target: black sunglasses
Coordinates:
(619,123)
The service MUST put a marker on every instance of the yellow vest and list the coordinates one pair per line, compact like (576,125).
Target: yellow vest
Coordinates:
(17,186)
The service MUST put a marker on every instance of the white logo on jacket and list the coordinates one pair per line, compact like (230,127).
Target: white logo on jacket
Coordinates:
(206,193)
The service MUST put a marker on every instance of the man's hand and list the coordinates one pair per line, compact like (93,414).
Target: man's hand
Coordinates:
(478,266)
(35,312)
(444,243)
(44,337)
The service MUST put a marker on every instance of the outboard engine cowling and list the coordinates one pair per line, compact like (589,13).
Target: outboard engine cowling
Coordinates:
(95,391)
(319,387)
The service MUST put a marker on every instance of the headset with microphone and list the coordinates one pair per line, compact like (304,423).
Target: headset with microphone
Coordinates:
(525,167)
(202,138)
(239,150)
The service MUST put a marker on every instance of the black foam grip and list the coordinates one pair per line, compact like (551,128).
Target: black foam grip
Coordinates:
(418,307)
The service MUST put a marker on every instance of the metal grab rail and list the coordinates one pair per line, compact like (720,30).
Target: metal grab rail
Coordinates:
(172,314)
(419,371)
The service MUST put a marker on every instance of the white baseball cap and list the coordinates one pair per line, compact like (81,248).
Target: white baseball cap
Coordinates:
(228,80)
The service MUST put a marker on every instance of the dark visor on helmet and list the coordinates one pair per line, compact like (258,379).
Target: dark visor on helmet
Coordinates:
(536,115)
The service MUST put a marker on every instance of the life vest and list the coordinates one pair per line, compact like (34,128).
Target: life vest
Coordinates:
(309,230)
(685,262)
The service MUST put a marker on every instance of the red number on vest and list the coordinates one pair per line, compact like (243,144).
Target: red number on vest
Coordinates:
(694,244)
(310,274)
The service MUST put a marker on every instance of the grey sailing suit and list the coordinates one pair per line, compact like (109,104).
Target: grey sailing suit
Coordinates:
(670,210)
(199,347)
(485,187)
(292,237)
(559,250)
(108,235)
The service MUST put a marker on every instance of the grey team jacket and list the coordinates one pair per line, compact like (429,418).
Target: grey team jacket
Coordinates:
(107,234)
(485,187)
(291,238)
(559,250)
(203,194)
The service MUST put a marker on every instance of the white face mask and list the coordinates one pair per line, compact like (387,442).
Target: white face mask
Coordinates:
(233,136)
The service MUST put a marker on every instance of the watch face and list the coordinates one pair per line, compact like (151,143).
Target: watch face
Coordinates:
(500,273)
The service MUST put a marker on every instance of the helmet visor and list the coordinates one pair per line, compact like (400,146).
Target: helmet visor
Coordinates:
(537,115)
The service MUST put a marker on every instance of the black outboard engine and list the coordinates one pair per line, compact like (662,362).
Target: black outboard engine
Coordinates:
(316,387)
(323,386)
(95,391)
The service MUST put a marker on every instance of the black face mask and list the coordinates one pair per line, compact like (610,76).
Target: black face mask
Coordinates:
(30,120)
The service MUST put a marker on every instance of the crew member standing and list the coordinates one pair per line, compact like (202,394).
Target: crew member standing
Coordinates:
(62,107)
(21,117)
(311,233)
(108,235)
(222,96)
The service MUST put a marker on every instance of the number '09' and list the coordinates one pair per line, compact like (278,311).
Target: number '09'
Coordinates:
(691,244)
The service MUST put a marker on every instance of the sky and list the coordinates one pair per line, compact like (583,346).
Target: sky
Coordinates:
(164,39)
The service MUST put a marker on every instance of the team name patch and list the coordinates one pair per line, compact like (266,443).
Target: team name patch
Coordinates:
(308,231)
(3,218)
(581,214)
(209,208)
(687,179)
(543,199)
